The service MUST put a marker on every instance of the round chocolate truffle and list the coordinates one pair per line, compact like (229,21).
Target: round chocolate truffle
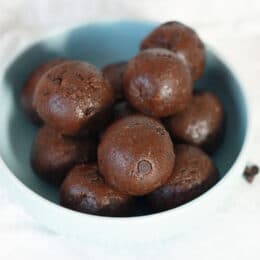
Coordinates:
(194,173)
(53,154)
(29,89)
(73,97)
(114,73)
(182,40)
(201,123)
(136,155)
(122,109)
(158,83)
(86,191)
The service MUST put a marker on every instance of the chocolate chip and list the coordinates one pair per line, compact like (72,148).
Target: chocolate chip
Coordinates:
(250,172)
(144,167)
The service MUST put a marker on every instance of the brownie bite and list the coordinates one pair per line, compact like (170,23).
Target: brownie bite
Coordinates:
(193,174)
(158,83)
(182,40)
(201,123)
(53,154)
(85,190)
(29,89)
(136,155)
(74,98)
(115,73)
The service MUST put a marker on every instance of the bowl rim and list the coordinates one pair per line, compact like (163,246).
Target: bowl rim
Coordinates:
(151,217)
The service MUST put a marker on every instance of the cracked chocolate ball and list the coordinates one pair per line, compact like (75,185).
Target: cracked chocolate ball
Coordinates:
(182,40)
(86,191)
(114,73)
(53,154)
(201,123)
(193,174)
(29,89)
(136,155)
(73,98)
(158,83)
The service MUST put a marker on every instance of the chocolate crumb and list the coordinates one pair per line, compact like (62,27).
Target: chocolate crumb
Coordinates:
(250,172)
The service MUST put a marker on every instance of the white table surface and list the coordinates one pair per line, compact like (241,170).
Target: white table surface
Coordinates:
(232,28)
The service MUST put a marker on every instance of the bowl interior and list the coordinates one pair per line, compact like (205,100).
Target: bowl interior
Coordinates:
(101,44)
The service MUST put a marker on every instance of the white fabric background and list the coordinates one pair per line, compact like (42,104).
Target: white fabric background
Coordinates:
(231,27)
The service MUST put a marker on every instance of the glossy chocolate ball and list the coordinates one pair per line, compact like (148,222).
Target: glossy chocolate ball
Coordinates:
(201,123)
(86,191)
(73,98)
(136,155)
(193,174)
(53,154)
(182,40)
(158,83)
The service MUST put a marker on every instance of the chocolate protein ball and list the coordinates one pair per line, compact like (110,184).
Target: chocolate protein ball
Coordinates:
(122,109)
(114,73)
(136,155)
(73,98)
(182,40)
(86,191)
(201,123)
(158,83)
(53,154)
(29,89)
(193,174)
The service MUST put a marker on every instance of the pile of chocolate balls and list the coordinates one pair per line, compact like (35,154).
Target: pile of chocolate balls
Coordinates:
(135,131)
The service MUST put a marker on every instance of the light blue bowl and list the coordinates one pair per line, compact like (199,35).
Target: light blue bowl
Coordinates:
(101,44)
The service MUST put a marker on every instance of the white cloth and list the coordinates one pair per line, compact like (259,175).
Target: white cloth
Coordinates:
(233,28)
